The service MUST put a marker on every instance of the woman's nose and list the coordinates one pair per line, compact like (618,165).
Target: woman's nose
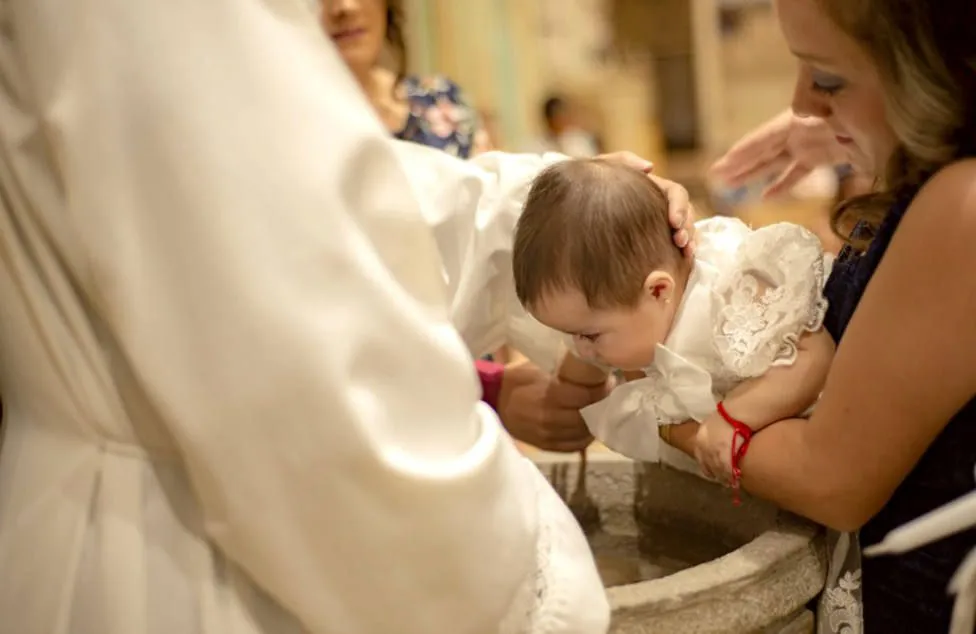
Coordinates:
(807,102)
(336,7)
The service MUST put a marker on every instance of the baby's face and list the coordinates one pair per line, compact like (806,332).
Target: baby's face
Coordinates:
(621,337)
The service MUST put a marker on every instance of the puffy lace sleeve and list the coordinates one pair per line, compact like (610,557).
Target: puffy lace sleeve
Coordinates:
(768,298)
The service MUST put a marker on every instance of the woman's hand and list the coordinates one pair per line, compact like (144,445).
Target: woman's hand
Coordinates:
(787,148)
(713,448)
(543,410)
(683,436)
(680,212)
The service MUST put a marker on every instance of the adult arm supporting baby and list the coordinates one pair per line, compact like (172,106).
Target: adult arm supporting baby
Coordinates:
(902,371)
(785,391)
(252,247)
(768,330)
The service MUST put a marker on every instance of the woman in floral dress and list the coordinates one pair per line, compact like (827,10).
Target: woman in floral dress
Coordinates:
(431,111)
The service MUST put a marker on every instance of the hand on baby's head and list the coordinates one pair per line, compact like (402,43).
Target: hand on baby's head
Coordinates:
(593,225)
(681,214)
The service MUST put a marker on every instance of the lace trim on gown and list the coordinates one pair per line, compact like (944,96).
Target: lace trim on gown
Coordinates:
(547,602)
(840,609)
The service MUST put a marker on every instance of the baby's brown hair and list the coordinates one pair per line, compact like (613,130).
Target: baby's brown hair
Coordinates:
(595,226)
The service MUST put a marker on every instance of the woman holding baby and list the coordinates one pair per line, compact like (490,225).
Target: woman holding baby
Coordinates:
(894,433)
(889,87)
(242,438)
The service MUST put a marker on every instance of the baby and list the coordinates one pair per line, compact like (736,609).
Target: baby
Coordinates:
(732,339)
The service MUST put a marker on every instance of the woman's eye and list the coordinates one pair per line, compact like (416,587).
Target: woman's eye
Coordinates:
(825,83)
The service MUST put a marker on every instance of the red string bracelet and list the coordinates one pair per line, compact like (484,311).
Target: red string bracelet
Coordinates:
(739,449)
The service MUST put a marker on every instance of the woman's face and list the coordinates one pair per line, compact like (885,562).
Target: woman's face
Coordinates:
(838,82)
(358,28)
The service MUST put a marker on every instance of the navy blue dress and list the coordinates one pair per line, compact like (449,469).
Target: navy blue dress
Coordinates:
(907,593)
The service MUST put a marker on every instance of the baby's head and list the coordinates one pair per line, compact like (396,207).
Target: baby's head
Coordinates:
(594,258)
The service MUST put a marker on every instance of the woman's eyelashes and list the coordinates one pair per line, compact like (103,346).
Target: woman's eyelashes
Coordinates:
(826,83)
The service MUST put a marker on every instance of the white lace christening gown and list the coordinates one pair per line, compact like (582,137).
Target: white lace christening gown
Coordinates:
(750,296)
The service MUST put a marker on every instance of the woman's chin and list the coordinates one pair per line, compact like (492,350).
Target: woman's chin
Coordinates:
(865,164)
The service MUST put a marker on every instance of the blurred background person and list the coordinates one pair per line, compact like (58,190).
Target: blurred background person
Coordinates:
(431,110)
(563,130)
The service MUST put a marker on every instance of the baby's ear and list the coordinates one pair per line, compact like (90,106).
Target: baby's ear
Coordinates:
(660,285)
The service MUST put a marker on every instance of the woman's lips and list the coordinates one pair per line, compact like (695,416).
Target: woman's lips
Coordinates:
(347,35)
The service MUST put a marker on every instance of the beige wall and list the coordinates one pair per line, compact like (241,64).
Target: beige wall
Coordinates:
(758,74)
(497,51)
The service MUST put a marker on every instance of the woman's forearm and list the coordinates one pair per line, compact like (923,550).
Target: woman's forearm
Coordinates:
(784,391)
(777,468)
(781,467)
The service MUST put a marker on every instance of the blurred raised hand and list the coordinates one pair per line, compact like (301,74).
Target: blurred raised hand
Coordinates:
(785,149)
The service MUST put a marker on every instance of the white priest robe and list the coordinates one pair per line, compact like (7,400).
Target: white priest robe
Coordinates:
(236,402)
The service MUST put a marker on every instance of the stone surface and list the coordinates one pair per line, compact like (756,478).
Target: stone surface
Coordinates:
(679,558)
(802,623)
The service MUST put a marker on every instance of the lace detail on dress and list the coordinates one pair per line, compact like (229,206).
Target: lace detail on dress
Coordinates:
(841,610)
(564,595)
(770,298)
(523,615)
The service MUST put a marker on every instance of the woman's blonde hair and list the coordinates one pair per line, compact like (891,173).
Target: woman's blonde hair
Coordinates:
(925,53)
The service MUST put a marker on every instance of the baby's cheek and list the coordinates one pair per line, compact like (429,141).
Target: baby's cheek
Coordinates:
(640,357)
(612,355)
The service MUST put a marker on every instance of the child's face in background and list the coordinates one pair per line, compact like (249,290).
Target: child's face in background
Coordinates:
(622,337)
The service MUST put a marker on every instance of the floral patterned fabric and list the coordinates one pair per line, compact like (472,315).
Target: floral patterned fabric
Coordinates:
(440,118)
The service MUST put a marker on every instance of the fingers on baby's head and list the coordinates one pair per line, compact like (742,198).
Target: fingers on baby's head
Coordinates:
(595,226)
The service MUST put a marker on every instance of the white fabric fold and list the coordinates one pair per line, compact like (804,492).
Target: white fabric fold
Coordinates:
(946,520)
(674,391)
(235,400)
(475,247)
